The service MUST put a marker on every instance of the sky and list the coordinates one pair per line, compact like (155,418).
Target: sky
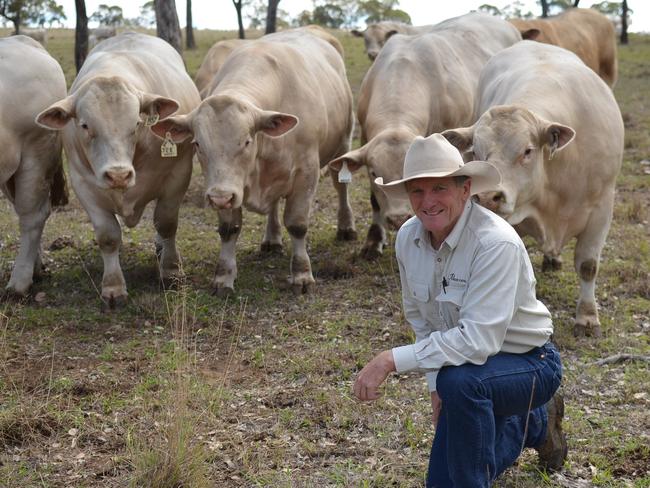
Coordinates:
(221,14)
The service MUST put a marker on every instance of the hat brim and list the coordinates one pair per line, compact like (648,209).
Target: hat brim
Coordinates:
(485,177)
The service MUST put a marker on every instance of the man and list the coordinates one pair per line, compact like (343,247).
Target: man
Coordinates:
(468,290)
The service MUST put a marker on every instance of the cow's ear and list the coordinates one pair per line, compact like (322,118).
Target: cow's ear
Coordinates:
(157,107)
(275,124)
(389,34)
(530,34)
(462,138)
(178,128)
(356,33)
(354,160)
(56,116)
(557,136)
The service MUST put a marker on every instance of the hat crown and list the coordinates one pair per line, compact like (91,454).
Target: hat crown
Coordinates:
(431,155)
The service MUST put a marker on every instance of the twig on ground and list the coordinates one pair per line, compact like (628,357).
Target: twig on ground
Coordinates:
(619,358)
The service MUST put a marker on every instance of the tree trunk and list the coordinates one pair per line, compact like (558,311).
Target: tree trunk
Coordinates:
(624,39)
(240,20)
(167,26)
(544,8)
(271,16)
(189,31)
(16,21)
(80,34)
(575,3)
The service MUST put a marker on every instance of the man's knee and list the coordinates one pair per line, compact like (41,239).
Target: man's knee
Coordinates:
(456,382)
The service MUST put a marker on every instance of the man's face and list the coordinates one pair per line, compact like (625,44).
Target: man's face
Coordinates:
(438,203)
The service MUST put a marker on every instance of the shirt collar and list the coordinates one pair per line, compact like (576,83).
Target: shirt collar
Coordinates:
(422,235)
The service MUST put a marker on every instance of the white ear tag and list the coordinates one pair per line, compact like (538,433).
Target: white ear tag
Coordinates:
(345,176)
(151,120)
(168,148)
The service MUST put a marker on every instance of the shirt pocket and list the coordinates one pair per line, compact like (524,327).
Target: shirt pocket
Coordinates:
(450,303)
(419,290)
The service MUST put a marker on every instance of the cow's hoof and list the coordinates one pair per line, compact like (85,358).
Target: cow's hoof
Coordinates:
(346,235)
(223,291)
(159,249)
(9,294)
(170,283)
(587,330)
(112,303)
(551,263)
(303,288)
(370,253)
(271,248)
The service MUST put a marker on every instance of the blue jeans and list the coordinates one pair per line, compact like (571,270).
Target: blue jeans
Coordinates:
(489,414)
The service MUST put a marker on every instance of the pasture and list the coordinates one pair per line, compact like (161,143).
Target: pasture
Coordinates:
(182,388)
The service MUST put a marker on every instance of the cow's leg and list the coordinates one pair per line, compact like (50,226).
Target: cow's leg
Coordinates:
(272,242)
(376,238)
(109,237)
(230,222)
(31,202)
(296,220)
(165,220)
(346,230)
(589,244)
(551,262)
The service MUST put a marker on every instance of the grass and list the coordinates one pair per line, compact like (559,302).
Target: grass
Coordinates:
(182,387)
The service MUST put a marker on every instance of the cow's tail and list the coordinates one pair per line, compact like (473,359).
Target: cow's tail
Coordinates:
(59,188)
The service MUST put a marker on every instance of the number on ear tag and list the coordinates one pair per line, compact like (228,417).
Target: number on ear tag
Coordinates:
(151,120)
(168,148)
(345,176)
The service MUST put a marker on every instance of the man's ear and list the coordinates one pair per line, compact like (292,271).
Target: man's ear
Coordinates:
(57,115)
(275,124)
(156,107)
(462,137)
(178,127)
(557,136)
(354,160)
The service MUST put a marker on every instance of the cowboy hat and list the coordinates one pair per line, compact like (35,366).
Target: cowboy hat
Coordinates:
(435,157)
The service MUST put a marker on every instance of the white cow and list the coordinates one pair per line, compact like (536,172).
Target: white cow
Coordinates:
(281,108)
(376,35)
(39,35)
(126,84)
(31,175)
(554,130)
(418,85)
(100,34)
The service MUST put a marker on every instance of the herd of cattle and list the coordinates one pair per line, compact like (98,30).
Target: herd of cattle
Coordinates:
(266,118)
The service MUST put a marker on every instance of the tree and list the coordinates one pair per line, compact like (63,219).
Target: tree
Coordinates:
(108,15)
(167,25)
(624,13)
(23,12)
(619,13)
(271,16)
(80,34)
(147,17)
(240,21)
(379,10)
(544,4)
(328,15)
(189,30)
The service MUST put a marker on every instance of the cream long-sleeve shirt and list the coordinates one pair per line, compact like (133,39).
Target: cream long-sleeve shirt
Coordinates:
(470,299)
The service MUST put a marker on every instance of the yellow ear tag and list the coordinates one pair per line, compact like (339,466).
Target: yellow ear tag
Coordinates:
(345,176)
(168,148)
(151,120)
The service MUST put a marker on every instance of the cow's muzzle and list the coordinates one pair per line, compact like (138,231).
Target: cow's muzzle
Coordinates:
(221,201)
(119,178)
(492,200)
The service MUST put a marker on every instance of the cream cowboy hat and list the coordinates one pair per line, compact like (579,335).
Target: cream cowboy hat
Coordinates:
(435,157)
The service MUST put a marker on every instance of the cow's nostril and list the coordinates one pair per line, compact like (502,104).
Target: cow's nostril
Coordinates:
(119,179)
(498,197)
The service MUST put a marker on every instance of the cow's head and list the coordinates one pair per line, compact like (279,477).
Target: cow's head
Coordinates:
(107,116)
(519,143)
(374,38)
(224,132)
(383,157)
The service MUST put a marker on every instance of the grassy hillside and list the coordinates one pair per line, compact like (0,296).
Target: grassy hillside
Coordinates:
(182,388)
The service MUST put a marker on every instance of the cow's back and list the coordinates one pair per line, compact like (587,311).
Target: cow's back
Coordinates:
(441,68)
(31,80)
(147,62)
(213,60)
(556,85)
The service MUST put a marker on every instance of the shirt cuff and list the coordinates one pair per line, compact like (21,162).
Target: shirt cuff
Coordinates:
(404,357)
(432,377)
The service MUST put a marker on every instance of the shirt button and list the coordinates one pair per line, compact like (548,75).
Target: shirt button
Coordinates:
(439,260)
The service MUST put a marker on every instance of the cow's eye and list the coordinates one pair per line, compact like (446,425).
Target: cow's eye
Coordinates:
(247,143)
(84,126)
(196,144)
(528,151)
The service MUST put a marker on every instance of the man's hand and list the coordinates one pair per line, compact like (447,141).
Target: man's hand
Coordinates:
(436,404)
(373,375)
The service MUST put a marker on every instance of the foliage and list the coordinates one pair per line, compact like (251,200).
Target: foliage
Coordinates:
(514,10)
(28,12)
(379,10)
(108,15)
(256,15)
(147,17)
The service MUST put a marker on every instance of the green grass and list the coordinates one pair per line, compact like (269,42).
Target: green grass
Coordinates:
(255,390)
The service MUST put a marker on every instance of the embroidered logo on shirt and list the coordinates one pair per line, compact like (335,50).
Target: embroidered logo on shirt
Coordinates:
(452,277)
